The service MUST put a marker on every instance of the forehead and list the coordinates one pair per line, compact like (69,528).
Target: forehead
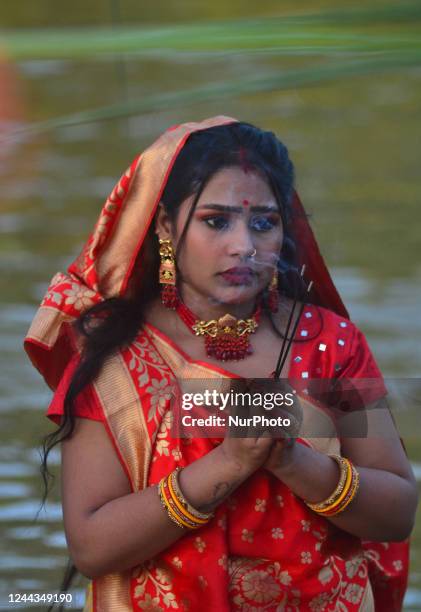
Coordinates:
(231,186)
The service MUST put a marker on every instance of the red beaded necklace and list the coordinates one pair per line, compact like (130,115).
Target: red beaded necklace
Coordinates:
(226,338)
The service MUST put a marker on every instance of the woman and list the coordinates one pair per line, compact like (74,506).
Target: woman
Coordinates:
(206,224)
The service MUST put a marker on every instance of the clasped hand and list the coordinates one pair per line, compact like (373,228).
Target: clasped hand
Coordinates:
(260,434)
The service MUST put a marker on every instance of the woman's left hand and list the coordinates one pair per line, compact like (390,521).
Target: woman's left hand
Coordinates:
(280,454)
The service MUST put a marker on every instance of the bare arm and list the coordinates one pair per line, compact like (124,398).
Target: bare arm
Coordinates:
(385,505)
(109,528)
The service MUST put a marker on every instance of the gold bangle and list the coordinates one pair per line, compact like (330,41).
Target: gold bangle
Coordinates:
(172,508)
(176,486)
(352,493)
(183,511)
(166,505)
(172,512)
(327,503)
(344,493)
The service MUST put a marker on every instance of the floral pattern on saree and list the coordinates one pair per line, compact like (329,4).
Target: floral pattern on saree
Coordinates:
(263,550)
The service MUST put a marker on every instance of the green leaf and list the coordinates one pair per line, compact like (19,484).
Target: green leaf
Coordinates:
(348,30)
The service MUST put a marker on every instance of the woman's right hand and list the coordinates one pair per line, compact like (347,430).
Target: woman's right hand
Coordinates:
(249,453)
(246,447)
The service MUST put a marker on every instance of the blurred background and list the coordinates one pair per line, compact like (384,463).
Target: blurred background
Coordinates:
(85,86)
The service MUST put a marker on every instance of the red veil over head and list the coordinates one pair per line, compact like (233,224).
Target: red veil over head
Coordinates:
(106,265)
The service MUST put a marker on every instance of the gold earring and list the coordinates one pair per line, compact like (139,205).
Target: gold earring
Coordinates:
(167,276)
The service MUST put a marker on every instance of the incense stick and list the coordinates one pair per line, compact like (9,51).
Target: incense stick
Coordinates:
(283,355)
(288,325)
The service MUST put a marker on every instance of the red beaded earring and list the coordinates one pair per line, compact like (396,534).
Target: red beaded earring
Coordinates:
(273,298)
(169,293)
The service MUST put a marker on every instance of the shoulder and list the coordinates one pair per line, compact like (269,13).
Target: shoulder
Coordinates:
(142,368)
(328,320)
(85,404)
(142,352)
(132,372)
(352,358)
(323,325)
(330,344)
(342,336)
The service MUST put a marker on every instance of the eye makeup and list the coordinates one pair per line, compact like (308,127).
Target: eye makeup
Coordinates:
(256,223)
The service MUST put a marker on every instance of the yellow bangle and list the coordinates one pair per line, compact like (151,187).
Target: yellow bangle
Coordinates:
(165,506)
(340,490)
(180,507)
(199,516)
(344,492)
(352,493)
(173,516)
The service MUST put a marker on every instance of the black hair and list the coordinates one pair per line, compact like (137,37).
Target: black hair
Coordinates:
(204,153)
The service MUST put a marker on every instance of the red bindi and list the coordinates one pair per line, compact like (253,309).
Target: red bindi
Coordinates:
(246,202)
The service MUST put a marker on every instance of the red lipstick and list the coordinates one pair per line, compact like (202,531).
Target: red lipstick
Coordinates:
(238,275)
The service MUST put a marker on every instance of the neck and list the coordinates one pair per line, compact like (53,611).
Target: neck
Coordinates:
(206,309)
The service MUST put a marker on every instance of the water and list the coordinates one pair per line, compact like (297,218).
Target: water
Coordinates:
(355,145)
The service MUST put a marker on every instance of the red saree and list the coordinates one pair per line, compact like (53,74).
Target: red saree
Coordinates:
(264,549)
